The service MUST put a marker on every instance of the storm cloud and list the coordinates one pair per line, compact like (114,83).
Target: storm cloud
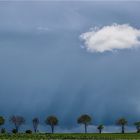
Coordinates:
(44,71)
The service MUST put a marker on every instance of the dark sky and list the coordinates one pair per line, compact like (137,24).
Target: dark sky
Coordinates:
(44,70)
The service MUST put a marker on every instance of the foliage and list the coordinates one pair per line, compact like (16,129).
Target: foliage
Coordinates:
(122,122)
(3,130)
(137,124)
(84,119)
(14,131)
(100,128)
(95,136)
(52,121)
(28,131)
(2,120)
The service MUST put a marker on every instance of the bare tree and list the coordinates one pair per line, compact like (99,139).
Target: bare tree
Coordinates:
(17,121)
(35,122)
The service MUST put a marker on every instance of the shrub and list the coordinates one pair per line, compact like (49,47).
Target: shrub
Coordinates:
(28,131)
(14,131)
(3,130)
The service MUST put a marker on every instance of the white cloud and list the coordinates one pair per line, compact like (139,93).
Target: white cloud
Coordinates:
(40,28)
(110,38)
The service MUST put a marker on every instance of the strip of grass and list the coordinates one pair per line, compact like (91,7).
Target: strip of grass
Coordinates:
(40,136)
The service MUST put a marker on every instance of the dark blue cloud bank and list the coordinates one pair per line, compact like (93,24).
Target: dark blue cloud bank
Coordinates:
(44,70)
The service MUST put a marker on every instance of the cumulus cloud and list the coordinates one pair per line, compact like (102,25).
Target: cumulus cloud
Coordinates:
(110,38)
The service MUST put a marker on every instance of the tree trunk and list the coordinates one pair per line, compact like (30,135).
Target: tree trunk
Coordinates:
(52,129)
(100,131)
(122,129)
(85,128)
(35,130)
(17,128)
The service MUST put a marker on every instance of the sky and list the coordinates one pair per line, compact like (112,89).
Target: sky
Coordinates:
(68,58)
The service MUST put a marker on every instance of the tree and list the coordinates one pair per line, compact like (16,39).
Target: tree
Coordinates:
(17,121)
(2,120)
(84,119)
(137,124)
(100,128)
(122,122)
(35,124)
(52,121)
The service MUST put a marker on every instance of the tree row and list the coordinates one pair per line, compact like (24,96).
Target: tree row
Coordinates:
(53,121)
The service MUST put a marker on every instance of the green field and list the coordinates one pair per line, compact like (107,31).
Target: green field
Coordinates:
(128,136)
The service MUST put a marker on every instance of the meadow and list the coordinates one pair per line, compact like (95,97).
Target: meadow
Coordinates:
(94,136)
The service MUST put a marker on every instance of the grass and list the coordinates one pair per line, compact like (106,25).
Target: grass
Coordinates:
(40,136)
